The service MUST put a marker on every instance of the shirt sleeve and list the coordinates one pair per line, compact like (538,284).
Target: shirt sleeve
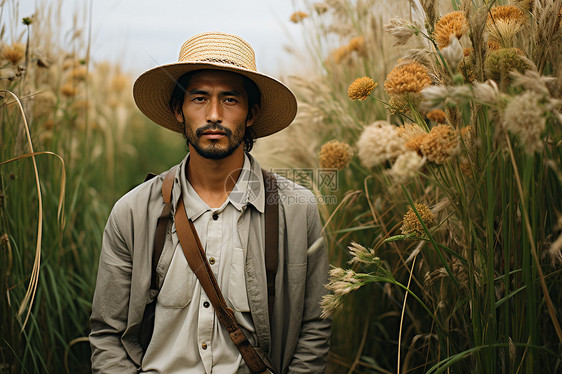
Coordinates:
(110,304)
(314,340)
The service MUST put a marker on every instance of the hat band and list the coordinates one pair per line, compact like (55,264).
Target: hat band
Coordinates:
(222,61)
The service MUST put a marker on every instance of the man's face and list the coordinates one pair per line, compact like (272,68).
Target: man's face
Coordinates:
(216,113)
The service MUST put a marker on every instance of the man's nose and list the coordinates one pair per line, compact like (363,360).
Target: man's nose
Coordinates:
(214,113)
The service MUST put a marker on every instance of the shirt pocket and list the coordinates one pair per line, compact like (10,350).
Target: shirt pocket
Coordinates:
(296,273)
(237,288)
(177,289)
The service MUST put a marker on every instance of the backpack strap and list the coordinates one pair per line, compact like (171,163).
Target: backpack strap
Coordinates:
(271,236)
(162,224)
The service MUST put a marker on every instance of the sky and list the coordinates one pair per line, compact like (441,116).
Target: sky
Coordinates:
(141,34)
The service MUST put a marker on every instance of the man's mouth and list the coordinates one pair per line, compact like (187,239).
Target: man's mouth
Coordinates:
(213,134)
(213,131)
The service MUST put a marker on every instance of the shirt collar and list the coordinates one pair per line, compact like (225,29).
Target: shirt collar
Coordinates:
(249,189)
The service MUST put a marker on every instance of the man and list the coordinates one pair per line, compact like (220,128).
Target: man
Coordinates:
(215,97)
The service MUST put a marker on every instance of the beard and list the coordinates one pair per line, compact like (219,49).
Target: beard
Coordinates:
(214,151)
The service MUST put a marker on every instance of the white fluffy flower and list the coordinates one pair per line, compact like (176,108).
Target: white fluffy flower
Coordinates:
(378,143)
(453,53)
(524,118)
(406,167)
(487,92)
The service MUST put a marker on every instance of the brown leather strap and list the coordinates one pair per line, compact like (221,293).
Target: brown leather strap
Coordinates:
(162,224)
(197,261)
(271,237)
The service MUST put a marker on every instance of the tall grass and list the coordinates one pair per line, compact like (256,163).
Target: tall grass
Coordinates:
(475,288)
(91,146)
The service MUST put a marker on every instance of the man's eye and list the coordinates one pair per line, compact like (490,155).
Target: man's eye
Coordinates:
(198,99)
(230,100)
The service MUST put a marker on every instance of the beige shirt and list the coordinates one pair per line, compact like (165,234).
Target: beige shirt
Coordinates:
(297,340)
(188,337)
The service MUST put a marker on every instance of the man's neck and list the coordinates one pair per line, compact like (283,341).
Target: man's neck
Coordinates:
(214,179)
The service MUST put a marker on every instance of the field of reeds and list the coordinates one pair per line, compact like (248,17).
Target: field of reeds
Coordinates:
(71,143)
(443,122)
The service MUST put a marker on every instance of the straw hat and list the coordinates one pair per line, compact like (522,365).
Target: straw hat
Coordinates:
(219,51)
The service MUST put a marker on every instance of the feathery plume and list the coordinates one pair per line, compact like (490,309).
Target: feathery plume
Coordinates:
(523,117)
(453,52)
(13,53)
(401,29)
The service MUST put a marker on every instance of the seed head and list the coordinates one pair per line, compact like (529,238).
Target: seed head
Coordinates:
(321,8)
(378,143)
(440,144)
(361,88)
(406,167)
(69,89)
(453,23)
(298,16)
(436,115)
(413,136)
(500,63)
(401,30)
(524,118)
(411,225)
(504,22)
(401,103)
(409,131)
(409,77)
(43,103)
(79,73)
(13,53)
(453,52)
(119,82)
(356,44)
(335,155)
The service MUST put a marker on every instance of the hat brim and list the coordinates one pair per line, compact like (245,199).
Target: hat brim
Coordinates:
(153,88)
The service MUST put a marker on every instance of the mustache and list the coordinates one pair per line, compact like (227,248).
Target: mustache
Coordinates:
(213,126)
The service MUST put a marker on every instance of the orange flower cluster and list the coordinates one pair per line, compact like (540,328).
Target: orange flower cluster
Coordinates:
(411,225)
(361,88)
(356,44)
(410,77)
(506,13)
(298,16)
(453,23)
(440,144)
(335,155)
(504,22)
(436,115)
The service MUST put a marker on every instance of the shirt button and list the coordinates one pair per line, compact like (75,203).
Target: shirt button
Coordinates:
(206,304)
(212,261)
(215,216)
(204,346)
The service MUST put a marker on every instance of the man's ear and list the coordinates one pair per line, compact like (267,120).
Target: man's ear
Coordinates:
(252,113)
(179,115)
